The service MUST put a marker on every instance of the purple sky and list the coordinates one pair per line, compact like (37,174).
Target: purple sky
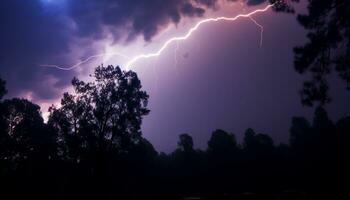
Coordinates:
(218,78)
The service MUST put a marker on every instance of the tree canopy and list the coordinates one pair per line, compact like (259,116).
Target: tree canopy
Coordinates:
(2,88)
(327,49)
(92,148)
(101,116)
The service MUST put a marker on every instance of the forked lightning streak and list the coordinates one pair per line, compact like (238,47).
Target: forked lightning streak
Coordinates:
(131,61)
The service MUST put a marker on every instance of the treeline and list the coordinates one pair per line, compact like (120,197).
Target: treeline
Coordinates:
(92,148)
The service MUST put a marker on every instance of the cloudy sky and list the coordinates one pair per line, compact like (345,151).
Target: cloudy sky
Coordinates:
(220,77)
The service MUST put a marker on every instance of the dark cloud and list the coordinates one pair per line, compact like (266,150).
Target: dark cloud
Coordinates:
(255,2)
(281,5)
(137,17)
(39,31)
(208,3)
(30,33)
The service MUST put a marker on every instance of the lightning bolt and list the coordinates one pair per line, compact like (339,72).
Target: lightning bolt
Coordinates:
(157,53)
(176,55)
(85,61)
(193,29)
(261,30)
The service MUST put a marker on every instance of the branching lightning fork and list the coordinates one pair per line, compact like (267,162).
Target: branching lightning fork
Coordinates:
(261,30)
(86,60)
(157,53)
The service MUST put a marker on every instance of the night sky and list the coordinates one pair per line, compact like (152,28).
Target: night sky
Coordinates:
(218,78)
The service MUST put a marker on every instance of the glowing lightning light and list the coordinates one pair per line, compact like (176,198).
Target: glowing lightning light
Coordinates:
(176,52)
(172,40)
(167,43)
(261,30)
(86,60)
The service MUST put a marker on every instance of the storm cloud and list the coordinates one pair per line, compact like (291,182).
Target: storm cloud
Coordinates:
(136,17)
(31,33)
(39,31)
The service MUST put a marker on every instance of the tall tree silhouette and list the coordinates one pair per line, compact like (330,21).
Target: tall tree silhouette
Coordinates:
(2,88)
(222,144)
(3,135)
(92,148)
(301,136)
(184,154)
(257,146)
(102,117)
(328,48)
(343,133)
(22,131)
(324,133)
(185,143)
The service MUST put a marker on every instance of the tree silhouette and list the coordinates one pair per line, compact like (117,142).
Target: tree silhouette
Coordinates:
(257,146)
(185,155)
(22,131)
(328,48)
(143,151)
(185,143)
(301,136)
(102,117)
(280,5)
(324,136)
(92,148)
(343,134)
(2,88)
(3,135)
(222,143)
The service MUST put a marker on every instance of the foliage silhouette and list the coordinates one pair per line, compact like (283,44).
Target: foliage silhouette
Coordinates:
(92,148)
(2,88)
(327,50)
(22,131)
(185,143)
(101,118)
(222,146)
